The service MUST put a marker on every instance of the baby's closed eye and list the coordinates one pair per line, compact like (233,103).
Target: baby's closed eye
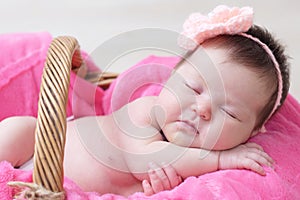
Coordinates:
(197,90)
(230,113)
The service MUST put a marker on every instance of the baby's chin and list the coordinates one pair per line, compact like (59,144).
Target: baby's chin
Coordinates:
(181,139)
(184,139)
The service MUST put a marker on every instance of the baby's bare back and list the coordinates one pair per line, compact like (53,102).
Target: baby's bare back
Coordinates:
(93,162)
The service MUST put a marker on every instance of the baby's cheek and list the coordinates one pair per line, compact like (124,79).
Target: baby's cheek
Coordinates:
(230,137)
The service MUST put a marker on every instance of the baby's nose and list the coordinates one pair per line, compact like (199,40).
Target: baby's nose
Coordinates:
(203,109)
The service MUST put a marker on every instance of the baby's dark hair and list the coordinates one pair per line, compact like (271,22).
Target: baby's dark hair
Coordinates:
(249,53)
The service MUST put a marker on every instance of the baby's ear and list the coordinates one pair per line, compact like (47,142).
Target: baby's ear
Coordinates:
(254,133)
(261,130)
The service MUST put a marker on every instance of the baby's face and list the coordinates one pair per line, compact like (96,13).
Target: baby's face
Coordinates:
(211,103)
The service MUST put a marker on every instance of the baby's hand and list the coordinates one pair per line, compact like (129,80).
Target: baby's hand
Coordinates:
(161,178)
(248,156)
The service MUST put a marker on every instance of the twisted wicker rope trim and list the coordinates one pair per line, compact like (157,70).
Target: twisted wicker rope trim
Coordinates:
(32,191)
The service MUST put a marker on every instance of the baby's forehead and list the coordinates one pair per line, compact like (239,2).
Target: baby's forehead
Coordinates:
(205,57)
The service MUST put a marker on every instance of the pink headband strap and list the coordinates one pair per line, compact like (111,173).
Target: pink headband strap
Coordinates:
(278,72)
(225,21)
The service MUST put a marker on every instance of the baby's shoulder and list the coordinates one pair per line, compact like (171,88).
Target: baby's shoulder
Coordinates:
(142,104)
(145,100)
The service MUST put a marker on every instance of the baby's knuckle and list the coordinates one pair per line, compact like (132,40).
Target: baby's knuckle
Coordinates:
(248,163)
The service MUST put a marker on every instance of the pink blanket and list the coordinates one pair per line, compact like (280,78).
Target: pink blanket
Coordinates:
(22,57)
(281,141)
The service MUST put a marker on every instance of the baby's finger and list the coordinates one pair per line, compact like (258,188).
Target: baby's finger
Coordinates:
(267,157)
(254,166)
(261,157)
(172,175)
(155,181)
(161,174)
(179,180)
(254,145)
(147,188)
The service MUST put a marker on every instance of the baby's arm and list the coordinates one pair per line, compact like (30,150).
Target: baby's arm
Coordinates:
(17,139)
(249,155)
(186,161)
(189,161)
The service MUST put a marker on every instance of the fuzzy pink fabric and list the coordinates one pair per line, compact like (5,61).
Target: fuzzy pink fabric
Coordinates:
(143,79)
(22,58)
(281,141)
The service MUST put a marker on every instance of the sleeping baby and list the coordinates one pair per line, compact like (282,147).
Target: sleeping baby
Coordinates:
(218,96)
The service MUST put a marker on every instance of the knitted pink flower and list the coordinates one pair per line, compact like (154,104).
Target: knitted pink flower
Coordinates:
(222,20)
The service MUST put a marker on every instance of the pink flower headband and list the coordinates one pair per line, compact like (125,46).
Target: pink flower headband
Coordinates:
(224,21)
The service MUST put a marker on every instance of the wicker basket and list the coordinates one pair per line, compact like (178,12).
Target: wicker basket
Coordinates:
(50,133)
